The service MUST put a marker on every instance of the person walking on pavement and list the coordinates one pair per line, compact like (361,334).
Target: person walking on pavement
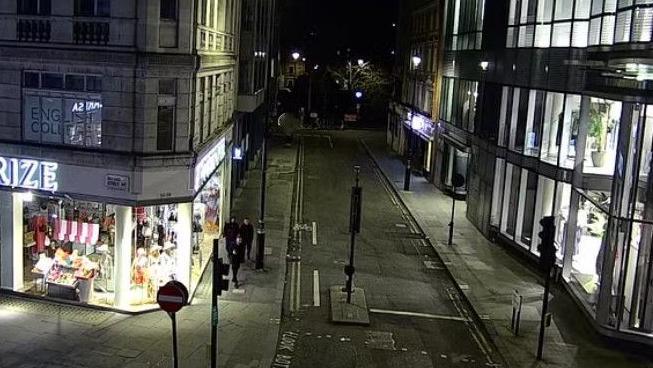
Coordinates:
(236,256)
(230,232)
(247,233)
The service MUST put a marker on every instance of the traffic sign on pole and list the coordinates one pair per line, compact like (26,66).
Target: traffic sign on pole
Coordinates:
(172,296)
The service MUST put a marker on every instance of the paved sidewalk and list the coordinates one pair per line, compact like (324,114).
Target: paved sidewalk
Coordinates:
(42,334)
(488,274)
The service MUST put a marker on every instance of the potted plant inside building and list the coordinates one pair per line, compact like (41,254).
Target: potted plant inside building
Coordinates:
(598,131)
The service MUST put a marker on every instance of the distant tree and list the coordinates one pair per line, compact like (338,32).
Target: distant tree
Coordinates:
(374,82)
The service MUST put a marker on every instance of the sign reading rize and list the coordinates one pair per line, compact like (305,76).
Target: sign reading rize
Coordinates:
(30,174)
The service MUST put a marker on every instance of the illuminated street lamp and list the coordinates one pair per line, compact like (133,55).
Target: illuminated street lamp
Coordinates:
(361,62)
(295,55)
(416,61)
(358,94)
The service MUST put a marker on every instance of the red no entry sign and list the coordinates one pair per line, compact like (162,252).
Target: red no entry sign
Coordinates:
(172,296)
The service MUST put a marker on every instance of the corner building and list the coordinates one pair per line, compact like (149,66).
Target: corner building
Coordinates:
(552,98)
(115,129)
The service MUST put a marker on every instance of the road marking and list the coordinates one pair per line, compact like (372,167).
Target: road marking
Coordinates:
(292,286)
(298,297)
(314,233)
(422,315)
(316,288)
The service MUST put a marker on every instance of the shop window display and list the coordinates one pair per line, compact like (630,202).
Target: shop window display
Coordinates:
(589,244)
(154,252)
(602,136)
(206,224)
(68,249)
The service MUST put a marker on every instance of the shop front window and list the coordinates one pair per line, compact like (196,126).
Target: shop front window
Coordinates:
(206,223)
(526,209)
(552,129)
(590,242)
(647,145)
(561,212)
(154,252)
(602,136)
(571,124)
(497,191)
(69,248)
(510,200)
(637,313)
(534,122)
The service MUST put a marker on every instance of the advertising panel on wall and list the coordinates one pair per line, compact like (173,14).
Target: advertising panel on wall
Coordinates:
(64,118)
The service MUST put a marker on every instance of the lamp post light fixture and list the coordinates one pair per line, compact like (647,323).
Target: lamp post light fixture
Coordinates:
(358,94)
(416,60)
(295,55)
(361,62)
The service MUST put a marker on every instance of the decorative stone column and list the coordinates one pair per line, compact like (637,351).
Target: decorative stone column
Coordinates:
(123,256)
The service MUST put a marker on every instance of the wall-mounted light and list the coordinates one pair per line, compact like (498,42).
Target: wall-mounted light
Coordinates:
(484,65)
(237,153)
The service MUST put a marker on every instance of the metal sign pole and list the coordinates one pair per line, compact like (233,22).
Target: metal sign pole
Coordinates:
(354,227)
(175,360)
(214,306)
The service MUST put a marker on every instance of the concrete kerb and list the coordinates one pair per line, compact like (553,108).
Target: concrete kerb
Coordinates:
(487,324)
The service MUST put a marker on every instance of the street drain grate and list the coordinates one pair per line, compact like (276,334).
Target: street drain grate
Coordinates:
(381,340)
(52,310)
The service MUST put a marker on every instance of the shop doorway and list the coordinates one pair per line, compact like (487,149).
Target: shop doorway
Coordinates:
(455,161)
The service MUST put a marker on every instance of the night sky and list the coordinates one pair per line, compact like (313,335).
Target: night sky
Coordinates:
(318,28)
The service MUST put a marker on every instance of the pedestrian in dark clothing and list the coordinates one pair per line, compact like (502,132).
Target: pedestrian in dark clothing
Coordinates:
(230,232)
(236,256)
(247,233)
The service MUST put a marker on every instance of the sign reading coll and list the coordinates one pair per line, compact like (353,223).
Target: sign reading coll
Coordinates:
(208,163)
(30,174)
(51,119)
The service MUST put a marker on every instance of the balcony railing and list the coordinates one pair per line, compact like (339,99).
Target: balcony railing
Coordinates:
(33,30)
(91,33)
(211,40)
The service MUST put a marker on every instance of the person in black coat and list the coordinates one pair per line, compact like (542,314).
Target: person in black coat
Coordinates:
(236,257)
(230,232)
(247,233)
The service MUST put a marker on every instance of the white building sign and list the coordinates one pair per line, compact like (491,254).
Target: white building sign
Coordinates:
(117,182)
(208,163)
(29,174)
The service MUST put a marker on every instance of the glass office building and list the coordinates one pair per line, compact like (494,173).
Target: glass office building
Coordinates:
(553,101)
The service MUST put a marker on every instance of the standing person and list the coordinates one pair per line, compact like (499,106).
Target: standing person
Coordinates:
(236,256)
(247,233)
(230,232)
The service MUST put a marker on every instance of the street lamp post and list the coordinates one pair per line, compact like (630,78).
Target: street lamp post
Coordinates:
(416,60)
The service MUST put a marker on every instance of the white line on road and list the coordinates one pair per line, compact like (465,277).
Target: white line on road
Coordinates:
(314,233)
(298,297)
(292,286)
(415,314)
(316,288)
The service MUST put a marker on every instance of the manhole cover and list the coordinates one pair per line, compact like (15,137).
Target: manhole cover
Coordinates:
(380,340)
